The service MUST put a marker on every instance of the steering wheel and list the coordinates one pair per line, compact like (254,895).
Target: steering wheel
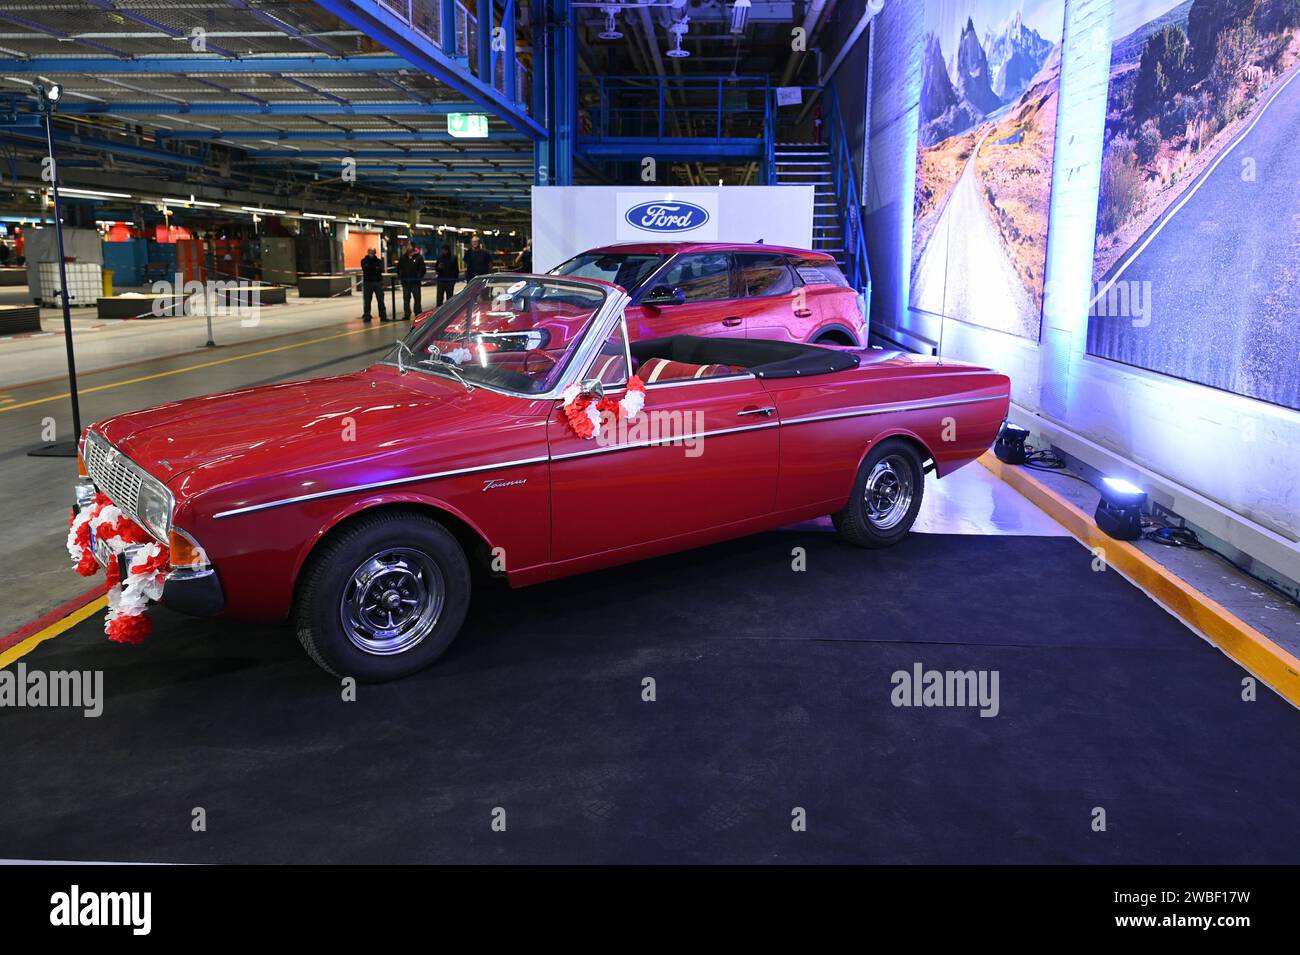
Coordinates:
(542,357)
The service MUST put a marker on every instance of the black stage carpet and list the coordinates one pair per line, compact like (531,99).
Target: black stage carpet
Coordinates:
(773,692)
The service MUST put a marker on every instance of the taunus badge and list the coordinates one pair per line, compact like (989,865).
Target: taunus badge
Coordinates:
(491,484)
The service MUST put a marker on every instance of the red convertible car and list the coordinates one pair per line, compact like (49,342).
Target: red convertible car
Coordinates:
(521,429)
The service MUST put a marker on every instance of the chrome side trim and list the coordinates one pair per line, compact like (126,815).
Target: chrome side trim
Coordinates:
(676,439)
(679,382)
(376,485)
(889,409)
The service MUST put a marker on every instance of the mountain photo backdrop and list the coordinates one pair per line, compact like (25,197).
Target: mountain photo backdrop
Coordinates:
(1199,211)
(989,90)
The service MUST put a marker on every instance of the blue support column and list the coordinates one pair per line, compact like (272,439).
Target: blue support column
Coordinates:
(485,42)
(447,26)
(564,77)
(511,66)
(541,83)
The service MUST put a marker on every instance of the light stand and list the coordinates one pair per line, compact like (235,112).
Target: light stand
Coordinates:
(48,97)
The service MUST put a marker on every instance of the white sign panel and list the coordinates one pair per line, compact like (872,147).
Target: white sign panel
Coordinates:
(571,219)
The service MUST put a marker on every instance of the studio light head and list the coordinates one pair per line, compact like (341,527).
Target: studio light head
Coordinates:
(48,94)
(1010,446)
(1119,512)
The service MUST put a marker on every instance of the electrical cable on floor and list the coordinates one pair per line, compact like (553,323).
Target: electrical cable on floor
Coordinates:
(1185,537)
(1047,460)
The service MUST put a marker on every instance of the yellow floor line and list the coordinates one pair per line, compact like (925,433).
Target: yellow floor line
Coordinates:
(181,371)
(1250,648)
(19,650)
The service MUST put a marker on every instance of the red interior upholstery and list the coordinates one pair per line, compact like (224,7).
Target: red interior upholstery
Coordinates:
(661,369)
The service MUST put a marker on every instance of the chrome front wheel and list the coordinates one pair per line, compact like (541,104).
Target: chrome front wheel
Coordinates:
(392,601)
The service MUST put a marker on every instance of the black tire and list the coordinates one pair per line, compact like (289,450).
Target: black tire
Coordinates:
(865,525)
(398,553)
(834,338)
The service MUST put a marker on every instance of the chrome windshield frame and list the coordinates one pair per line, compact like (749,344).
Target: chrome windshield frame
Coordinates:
(598,329)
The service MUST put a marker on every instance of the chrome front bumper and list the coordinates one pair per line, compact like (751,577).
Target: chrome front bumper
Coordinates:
(185,590)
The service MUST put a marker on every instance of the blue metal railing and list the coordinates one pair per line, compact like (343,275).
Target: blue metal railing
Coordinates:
(425,18)
(848,197)
(717,108)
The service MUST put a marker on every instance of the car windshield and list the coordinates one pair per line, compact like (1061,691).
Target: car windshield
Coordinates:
(508,332)
(628,269)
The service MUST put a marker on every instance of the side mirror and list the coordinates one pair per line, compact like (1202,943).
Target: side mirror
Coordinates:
(591,388)
(664,295)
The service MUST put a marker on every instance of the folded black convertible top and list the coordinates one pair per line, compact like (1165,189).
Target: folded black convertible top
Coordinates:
(766,359)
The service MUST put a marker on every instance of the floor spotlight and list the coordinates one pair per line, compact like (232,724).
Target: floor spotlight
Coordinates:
(1010,446)
(1119,512)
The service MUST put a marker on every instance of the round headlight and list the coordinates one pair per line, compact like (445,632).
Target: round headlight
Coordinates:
(156,509)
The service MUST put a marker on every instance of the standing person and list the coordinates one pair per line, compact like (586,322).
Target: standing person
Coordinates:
(447,269)
(372,284)
(411,270)
(524,260)
(478,260)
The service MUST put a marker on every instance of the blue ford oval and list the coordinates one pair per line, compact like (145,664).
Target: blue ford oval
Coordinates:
(667,216)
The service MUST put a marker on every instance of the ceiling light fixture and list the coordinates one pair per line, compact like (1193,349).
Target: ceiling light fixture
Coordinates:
(93,193)
(265,212)
(191,201)
(740,16)
(679,28)
(611,31)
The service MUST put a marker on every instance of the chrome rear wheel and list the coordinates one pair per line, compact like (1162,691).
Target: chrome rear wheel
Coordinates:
(886,495)
(888,492)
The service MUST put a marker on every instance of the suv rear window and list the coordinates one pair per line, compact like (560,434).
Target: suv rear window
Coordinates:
(819,271)
(763,274)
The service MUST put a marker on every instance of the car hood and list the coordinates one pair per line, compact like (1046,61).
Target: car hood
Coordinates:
(284,422)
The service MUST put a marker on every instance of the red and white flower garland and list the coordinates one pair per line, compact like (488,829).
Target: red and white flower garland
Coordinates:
(127,599)
(584,415)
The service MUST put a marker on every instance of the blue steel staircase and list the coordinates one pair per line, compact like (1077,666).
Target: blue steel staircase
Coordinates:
(809,164)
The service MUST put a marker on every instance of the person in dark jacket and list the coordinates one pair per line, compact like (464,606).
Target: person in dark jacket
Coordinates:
(524,260)
(411,269)
(478,260)
(448,270)
(372,284)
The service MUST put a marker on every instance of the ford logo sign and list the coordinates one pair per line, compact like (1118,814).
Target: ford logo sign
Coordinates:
(665,216)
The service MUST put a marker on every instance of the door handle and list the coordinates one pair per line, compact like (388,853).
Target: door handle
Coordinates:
(803,312)
(765,412)
(732,321)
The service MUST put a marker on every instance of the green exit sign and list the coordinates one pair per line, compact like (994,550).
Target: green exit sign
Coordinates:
(467,125)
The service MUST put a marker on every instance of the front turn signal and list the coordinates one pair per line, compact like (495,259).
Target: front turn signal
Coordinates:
(185,551)
(81,465)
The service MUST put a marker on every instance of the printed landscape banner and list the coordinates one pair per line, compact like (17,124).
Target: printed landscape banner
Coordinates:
(1198,226)
(989,91)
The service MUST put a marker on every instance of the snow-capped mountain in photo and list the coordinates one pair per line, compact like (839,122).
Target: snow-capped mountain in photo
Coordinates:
(974,80)
(943,111)
(1015,53)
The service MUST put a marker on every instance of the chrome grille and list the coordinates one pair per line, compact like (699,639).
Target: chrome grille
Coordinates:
(114,474)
